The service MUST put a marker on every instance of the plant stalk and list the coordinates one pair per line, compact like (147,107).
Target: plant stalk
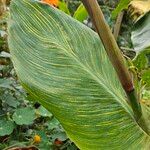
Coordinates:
(118,25)
(113,53)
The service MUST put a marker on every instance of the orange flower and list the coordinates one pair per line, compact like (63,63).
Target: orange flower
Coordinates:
(51,2)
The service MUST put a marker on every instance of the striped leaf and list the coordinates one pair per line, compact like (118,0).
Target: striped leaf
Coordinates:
(141,34)
(63,65)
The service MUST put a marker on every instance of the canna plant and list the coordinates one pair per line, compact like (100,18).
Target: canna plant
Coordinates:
(63,65)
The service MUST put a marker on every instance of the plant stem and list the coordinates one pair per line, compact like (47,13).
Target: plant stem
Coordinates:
(141,121)
(118,25)
(113,53)
(132,96)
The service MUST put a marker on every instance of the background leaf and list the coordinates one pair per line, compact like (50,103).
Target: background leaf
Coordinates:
(5,83)
(63,6)
(80,14)
(141,34)
(24,116)
(146,77)
(43,112)
(6,127)
(141,43)
(10,100)
(123,4)
(63,65)
(53,124)
(142,60)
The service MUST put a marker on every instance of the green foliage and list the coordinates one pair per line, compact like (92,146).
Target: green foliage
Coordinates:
(20,124)
(24,116)
(6,127)
(73,5)
(140,39)
(146,95)
(141,61)
(5,83)
(53,124)
(146,77)
(10,101)
(62,64)
(141,34)
(123,4)
(14,129)
(13,98)
(63,6)
(80,14)
(41,111)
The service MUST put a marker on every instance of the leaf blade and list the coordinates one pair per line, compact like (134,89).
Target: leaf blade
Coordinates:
(75,81)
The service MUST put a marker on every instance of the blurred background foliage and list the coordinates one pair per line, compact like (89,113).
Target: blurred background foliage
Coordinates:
(27,124)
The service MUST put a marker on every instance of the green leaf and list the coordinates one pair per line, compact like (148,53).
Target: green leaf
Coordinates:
(24,116)
(43,112)
(6,127)
(5,83)
(140,39)
(80,14)
(59,135)
(10,100)
(63,6)
(146,77)
(142,60)
(52,124)
(146,94)
(141,34)
(62,64)
(123,4)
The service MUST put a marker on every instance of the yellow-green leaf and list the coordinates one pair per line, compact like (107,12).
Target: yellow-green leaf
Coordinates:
(62,64)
